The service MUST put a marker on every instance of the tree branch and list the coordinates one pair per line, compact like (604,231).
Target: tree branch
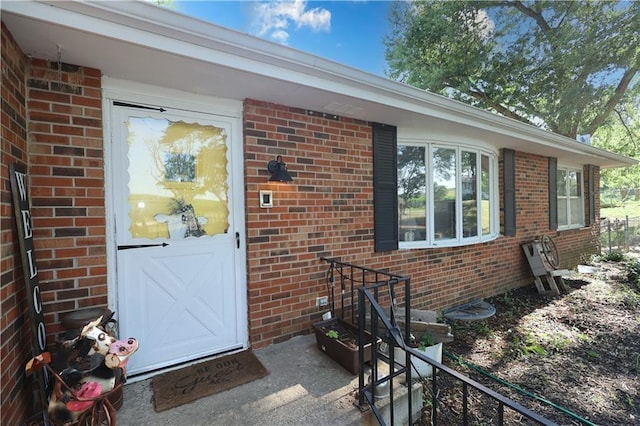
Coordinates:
(501,109)
(566,13)
(542,23)
(614,100)
(629,132)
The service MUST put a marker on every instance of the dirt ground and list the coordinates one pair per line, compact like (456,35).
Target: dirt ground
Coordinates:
(579,351)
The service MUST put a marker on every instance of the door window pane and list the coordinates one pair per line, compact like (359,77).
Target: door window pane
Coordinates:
(177,179)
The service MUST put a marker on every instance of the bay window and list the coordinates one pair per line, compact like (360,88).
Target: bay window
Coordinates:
(447,195)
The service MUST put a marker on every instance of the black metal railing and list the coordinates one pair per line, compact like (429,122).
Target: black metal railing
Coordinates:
(375,292)
(367,392)
(349,278)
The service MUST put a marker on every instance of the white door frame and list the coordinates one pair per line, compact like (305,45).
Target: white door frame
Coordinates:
(138,93)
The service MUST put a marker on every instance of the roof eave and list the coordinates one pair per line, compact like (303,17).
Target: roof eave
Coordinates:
(161,30)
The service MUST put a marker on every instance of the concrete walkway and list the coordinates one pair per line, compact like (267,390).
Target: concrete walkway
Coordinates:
(304,387)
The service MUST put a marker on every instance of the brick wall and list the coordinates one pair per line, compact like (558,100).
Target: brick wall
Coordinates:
(328,211)
(15,333)
(67,187)
(325,211)
(51,121)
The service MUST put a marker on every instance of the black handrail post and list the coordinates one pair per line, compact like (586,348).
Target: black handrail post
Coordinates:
(374,333)
(361,326)
(342,291)
(351,292)
(374,352)
(407,327)
(353,279)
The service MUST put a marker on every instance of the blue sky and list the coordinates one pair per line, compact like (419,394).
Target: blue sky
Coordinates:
(347,32)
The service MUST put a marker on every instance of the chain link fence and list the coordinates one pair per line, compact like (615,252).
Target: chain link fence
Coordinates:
(619,234)
(617,197)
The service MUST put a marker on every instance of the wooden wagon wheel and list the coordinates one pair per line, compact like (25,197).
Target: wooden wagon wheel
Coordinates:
(550,251)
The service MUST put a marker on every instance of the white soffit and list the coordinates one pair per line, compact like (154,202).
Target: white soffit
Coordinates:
(139,41)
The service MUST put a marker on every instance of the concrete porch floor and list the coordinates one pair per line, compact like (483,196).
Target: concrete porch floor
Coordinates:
(304,387)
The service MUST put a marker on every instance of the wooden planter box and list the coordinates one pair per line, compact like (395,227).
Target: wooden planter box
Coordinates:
(344,349)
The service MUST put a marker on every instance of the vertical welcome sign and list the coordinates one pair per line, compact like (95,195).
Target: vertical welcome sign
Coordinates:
(22,211)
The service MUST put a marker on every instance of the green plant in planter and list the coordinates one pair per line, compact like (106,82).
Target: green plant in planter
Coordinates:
(425,341)
(332,334)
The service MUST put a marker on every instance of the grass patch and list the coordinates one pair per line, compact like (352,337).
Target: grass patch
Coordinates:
(629,208)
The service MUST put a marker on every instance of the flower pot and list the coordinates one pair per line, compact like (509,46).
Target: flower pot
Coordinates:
(343,349)
(419,366)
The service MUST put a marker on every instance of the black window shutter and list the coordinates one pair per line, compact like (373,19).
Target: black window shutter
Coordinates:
(553,193)
(592,194)
(385,187)
(509,183)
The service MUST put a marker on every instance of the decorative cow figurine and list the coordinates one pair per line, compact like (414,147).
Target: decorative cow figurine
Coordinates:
(184,223)
(97,366)
(101,340)
(119,353)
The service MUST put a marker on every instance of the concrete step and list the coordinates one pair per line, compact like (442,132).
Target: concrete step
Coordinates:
(400,403)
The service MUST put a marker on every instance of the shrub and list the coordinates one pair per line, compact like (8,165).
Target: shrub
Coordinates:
(633,274)
(613,256)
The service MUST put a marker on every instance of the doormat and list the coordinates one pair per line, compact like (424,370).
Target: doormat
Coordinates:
(178,387)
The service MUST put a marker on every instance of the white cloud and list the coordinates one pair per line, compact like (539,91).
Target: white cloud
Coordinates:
(273,18)
(488,24)
(482,23)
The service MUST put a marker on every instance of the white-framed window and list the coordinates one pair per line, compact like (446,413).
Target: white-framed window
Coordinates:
(570,198)
(447,195)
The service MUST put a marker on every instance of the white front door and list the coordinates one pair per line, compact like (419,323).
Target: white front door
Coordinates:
(177,238)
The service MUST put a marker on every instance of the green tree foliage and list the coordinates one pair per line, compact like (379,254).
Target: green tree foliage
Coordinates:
(621,134)
(561,65)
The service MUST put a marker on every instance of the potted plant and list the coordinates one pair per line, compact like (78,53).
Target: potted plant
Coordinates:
(339,339)
(428,347)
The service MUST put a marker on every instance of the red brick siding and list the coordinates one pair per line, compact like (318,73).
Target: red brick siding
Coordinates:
(328,211)
(51,121)
(67,187)
(15,332)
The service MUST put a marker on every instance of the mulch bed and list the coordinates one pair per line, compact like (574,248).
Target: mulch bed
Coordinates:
(579,350)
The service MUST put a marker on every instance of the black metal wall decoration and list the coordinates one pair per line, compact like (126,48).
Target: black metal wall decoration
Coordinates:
(22,210)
